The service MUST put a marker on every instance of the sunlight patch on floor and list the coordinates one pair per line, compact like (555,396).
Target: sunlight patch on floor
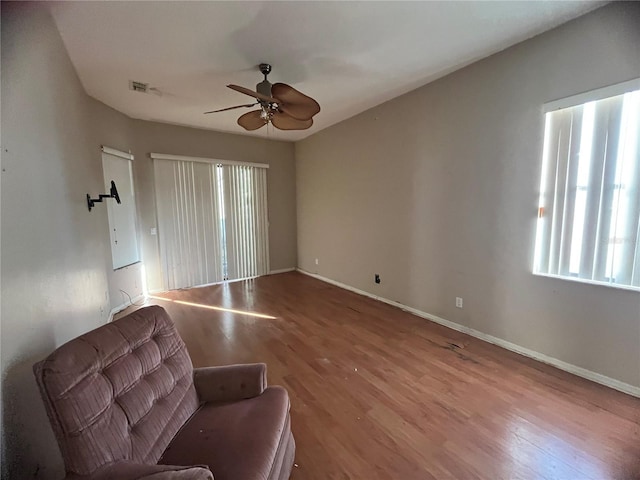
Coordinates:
(212,307)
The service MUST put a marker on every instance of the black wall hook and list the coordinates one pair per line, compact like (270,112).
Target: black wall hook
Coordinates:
(112,194)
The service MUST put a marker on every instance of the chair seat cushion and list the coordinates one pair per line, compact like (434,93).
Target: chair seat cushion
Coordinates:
(242,440)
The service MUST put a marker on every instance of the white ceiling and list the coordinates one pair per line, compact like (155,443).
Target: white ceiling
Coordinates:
(349,56)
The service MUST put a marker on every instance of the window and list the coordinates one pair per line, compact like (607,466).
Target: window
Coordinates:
(117,166)
(589,212)
(212,220)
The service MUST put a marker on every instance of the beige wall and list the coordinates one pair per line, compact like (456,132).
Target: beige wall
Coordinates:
(113,129)
(169,139)
(437,192)
(57,278)
(54,252)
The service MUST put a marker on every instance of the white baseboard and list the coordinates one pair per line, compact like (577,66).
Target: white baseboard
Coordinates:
(282,270)
(568,367)
(126,304)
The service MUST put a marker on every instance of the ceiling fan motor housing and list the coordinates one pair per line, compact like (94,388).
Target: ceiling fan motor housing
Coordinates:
(264,88)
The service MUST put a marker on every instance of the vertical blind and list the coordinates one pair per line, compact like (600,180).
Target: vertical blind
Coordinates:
(188,227)
(212,222)
(589,212)
(247,241)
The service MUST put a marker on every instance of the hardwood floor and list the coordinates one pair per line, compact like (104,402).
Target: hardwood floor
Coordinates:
(378,393)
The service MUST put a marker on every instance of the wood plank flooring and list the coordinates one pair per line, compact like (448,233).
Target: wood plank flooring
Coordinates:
(378,393)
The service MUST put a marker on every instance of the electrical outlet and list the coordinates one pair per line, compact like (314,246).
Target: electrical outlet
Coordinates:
(376,278)
(316,261)
(459,302)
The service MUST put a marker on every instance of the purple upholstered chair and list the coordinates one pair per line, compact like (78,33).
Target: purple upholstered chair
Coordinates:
(126,403)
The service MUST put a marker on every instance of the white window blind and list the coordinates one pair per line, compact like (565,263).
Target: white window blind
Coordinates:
(117,166)
(247,244)
(589,212)
(188,223)
(212,221)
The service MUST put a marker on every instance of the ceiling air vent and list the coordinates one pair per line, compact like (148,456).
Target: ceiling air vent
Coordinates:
(138,86)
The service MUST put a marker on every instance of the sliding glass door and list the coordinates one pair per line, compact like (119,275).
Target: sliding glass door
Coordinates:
(246,239)
(212,221)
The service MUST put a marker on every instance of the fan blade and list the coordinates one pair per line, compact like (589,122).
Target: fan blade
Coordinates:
(284,121)
(251,120)
(294,103)
(231,108)
(251,93)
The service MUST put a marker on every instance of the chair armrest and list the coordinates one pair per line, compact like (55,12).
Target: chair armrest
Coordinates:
(230,382)
(192,473)
(135,471)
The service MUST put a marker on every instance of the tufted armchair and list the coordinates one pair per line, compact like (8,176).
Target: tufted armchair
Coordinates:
(126,403)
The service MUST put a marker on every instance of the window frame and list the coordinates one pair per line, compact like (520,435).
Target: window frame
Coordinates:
(551,107)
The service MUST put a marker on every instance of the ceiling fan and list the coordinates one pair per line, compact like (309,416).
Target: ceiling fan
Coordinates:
(279,104)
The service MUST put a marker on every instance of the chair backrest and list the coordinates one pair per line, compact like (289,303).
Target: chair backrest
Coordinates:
(119,392)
